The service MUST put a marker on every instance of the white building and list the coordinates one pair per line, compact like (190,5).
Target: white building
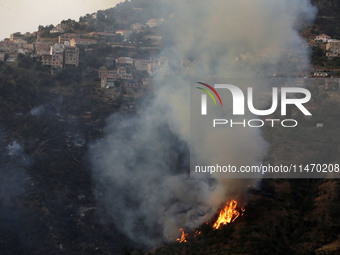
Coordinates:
(322,38)
(154,22)
(57,30)
(124,61)
(57,48)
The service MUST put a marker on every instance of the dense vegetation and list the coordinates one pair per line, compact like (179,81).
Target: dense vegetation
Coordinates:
(328,18)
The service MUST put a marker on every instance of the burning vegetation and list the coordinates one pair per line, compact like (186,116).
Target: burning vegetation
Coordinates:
(229,213)
(183,237)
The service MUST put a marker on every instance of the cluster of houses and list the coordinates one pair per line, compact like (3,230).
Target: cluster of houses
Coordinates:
(110,31)
(151,66)
(64,53)
(332,45)
(56,53)
(10,47)
(60,56)
(48,49)
(138,27)
(134,28)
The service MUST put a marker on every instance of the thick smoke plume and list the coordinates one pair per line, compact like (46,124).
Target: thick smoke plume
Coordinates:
(141,167)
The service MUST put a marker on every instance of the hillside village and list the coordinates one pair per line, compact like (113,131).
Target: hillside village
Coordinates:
(63,50)
(129,29)
(65,46)
(120,50)
(58,49)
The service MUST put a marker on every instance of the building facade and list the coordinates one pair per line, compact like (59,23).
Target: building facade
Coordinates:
(333,49)
(16,36)
(61,56)
(71,56)
(124,61)
(322,38)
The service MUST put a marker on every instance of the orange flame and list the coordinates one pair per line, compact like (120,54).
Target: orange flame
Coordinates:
(183,237)
(197,233)
(228,214)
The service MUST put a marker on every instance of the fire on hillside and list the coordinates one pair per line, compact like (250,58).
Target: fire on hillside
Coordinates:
(229,213)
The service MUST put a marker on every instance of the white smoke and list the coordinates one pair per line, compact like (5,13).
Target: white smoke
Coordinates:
(37,111)
(14,149)
(140,167)
(13,170)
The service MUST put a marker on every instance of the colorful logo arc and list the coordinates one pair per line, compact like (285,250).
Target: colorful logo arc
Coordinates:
(209,93)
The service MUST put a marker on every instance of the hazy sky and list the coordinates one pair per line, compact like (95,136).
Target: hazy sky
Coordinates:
(27,15)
